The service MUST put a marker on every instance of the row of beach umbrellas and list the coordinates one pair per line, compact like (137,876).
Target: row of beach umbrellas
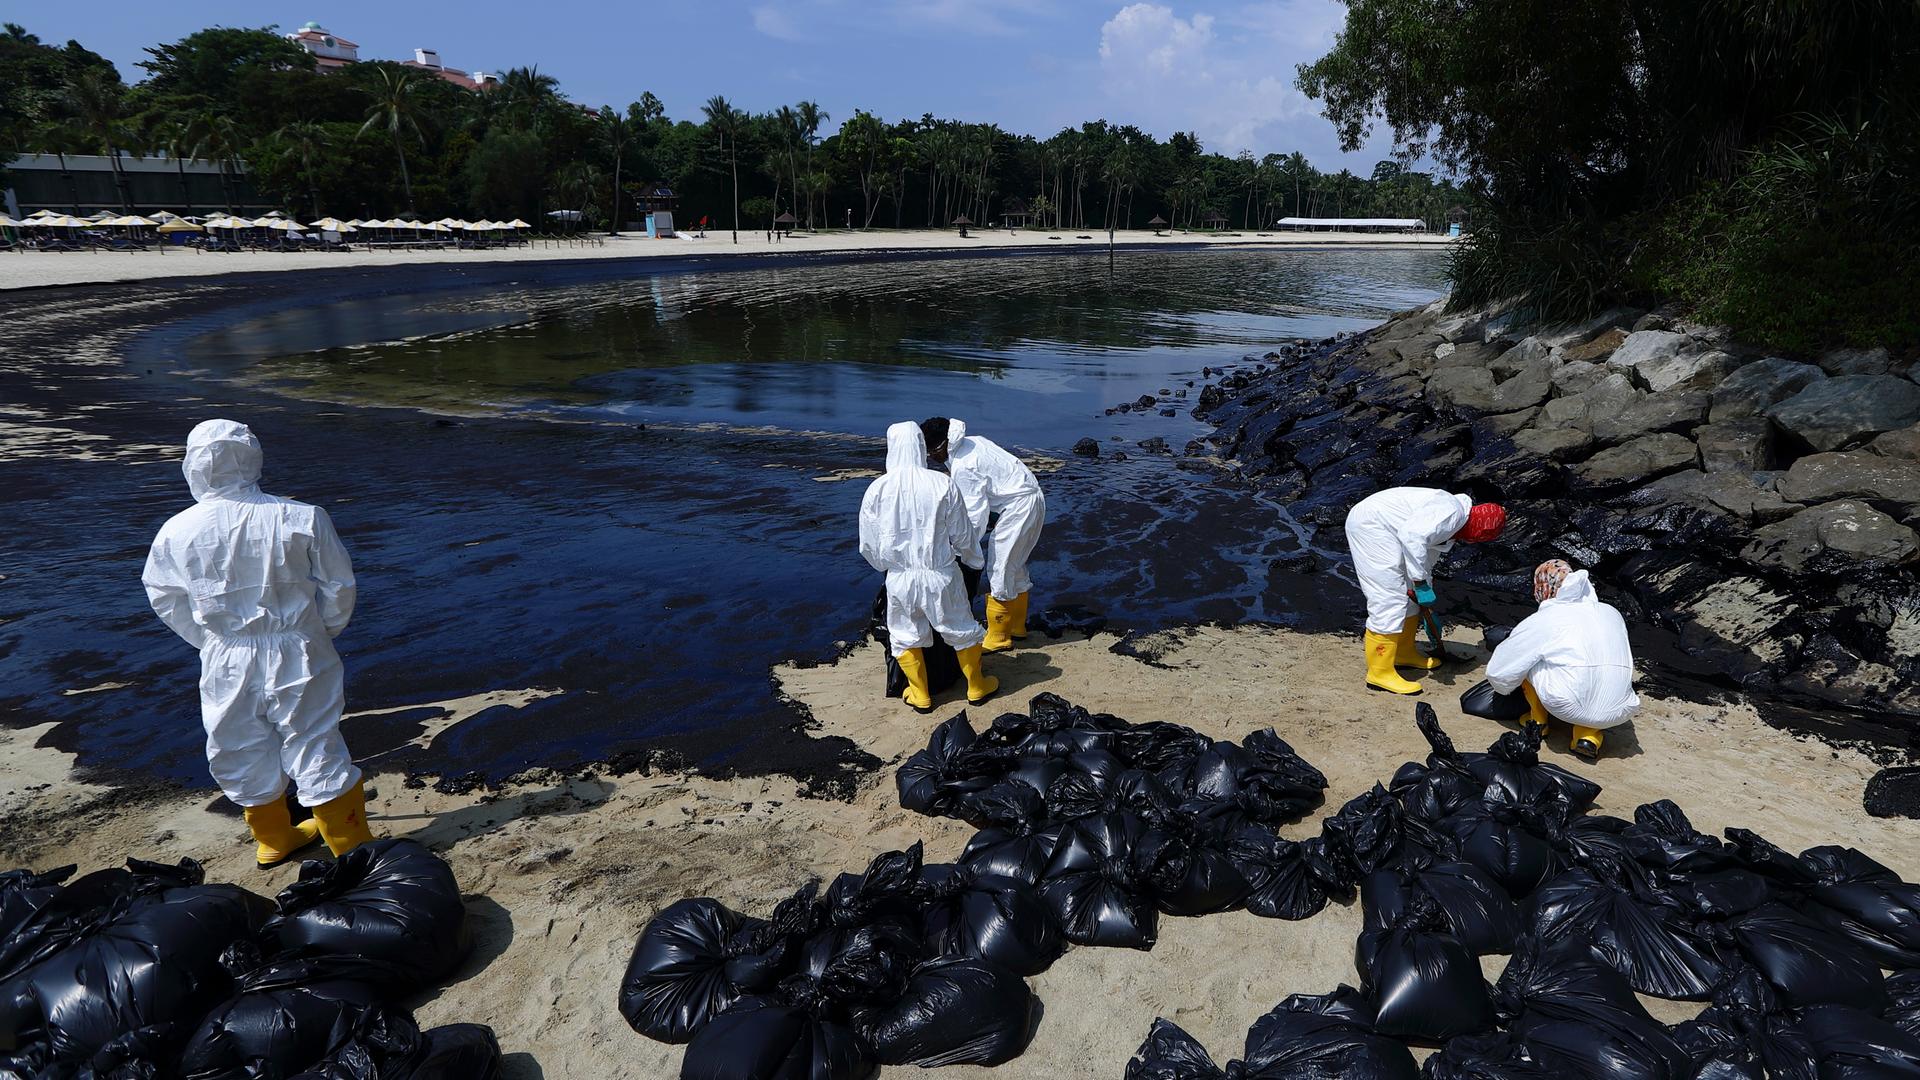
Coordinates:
(169,223)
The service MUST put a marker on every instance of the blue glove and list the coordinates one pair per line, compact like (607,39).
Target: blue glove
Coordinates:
(1423,594)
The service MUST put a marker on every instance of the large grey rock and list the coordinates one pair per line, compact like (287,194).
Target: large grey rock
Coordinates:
(1745,444)
(1647,347)
(1528,387)
(1904,443)
(1417,349)
(1737,493)
(1463,387)
(1576,377)
(1649,414)
(1570,334)
(1857,362)
(1687,371)
(1833,538)
(1558,443)
(1471,326)
(1832,413)
(1504,425)
(1596,350)
(1818,478)
(1755,388)
(1511,362)
(1605,398)
(1644,458)
(1471,354)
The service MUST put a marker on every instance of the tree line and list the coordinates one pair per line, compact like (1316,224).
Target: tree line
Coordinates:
(381,139)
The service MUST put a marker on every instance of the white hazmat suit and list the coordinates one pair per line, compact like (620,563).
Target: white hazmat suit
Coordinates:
(914,529)
(260,585)
(1396,536)
(1575,654)
(992,481)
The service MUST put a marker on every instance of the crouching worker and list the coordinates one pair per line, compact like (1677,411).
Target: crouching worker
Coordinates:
(261,585)
(994,487)
(1396,537)
(1570,658)
(914,530)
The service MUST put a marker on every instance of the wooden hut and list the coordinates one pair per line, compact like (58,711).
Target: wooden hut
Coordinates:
(1214,220)
(783,224)
(1015,214)
(1158,224)
(963,223)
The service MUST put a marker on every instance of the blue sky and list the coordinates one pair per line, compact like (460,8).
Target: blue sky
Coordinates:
(1222,69)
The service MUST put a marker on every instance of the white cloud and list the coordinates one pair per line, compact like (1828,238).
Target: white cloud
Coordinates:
(776,23)
(1151,36)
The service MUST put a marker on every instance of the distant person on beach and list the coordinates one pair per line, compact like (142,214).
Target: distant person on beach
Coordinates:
(1571,659)
(261,586)
(1004,504)
(914,529)
(1396,537)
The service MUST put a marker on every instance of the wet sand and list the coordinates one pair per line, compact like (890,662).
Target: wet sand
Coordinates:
(37,269)
(562,870)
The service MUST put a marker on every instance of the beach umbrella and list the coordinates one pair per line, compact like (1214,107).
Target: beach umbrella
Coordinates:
(179,225)
(130,220)
(41,214)
(516,223)
(63,221)
(9,222)
(100,216)
(163,217)
(475,226)
(275,214)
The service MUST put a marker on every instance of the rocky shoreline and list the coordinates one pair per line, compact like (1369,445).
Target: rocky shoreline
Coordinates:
(1755,511)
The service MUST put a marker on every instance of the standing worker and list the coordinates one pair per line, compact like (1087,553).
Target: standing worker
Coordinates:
(1571,658)
(1396,537)
(914,530)
(995,487)
(261,586)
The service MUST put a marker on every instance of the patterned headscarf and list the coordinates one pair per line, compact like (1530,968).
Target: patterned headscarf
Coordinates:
(1547,579)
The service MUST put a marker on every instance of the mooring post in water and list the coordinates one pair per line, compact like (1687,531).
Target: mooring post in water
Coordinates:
(1109,249)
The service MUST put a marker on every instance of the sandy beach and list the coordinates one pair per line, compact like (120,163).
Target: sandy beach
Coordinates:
(36,269)
(561,871)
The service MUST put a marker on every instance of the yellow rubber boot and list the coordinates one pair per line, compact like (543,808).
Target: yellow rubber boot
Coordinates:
(1586,742)
(343,822)
(276,838)
(913,664)
(1406,653)
(1380,672)
(1536,712)
(999,625)
(980,685)
(1019,626)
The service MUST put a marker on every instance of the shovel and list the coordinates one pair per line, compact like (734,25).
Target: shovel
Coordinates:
(1432,624)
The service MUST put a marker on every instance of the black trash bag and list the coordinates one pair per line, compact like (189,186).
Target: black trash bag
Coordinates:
(1367,834)
(1422,982)
(1284,786)
(1579,1018)
(1191,869)
(943,664)
(955,1010)
(1037,771)
(1078,794)
(1051,712)
(1478,911)
(934,780)
(80,908)
(1324,1035)
(867,966)
(1509,838)
(1754,853)
(1436,790)
(1513,762)
(696,957)
(1651,943)
(1903,991)
(1848,1044)
(784,1037)
(387,900)
(1492,1056)
(1021,850)
(1806,963)
(1663,840)
(1285,879)
(384,1043)
(1159,745)
(1481,701)
(1092,888)
(284,1017)
(1169,1053)
(1598,842)
(1866,902)
(996,919)
(24,892)
(887,891)
(127,981)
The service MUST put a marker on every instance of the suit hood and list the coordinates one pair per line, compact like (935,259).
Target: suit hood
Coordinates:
(223,460)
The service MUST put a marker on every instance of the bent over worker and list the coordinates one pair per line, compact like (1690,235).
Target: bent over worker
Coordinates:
(1396,537)
(261,586)
(1571,658)
(1004,503)
(914,529)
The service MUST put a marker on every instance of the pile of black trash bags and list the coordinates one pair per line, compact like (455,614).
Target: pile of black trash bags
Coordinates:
(1090,828)
(150,972)
(1467,855)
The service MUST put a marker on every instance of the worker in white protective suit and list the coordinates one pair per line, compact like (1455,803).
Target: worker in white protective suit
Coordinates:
(1397,536)
(1571,658)
(914,529)
(261,586)
(1006,510)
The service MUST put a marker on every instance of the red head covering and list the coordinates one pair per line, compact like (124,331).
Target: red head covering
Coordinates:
(1484,523)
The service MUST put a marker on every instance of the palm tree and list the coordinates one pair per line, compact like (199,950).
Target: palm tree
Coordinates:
(525,93)
(616,131)
(216,138)
(59,140)
(101,115)
(175,138)
(397,109)
(811,117)
(724,119)
(577,183)
(307,142)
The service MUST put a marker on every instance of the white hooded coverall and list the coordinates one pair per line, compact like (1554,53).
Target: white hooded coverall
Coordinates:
(1574,651)
(992,481)
(260,585)
(913,529)
(1396,537)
